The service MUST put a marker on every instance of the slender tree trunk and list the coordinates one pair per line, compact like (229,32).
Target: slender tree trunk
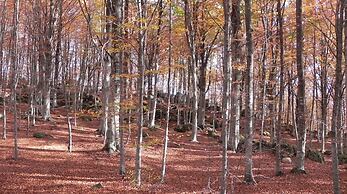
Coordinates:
(202,93)
(324,94)
(47,58)
(141,14)
(153,103)
(2,77)
(226,86)
(249,178)
(236,75)
(300,100)
(278,169)
(14,61)
(191,36)
(106,71)
(314,89)
(28,123)
(271,87)
(123,93)
(57,54)
(263,78)
(114,8)
(2,35)
(4,124)
(289,97)
(336,121)
(166,136)
(70,134)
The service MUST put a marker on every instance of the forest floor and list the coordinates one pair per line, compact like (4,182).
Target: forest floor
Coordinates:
(45,166)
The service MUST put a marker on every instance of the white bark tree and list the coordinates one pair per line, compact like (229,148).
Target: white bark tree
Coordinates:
(191,39)
(236,49)
(278,169)
(249,178)
(226,92)
(14,61)
(300,102)
(336,121)
(166,135)
(141,15)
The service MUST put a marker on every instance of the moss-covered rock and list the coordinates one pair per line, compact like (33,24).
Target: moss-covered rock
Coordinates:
(86,117)
(97,186)
(265,145)
(184,128)
(212,133)
(39,135)
(342,159)
(288,150)
(91,102)
(315,156)
(154,128)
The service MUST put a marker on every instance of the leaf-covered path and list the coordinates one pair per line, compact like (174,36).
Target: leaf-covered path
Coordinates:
(45,166)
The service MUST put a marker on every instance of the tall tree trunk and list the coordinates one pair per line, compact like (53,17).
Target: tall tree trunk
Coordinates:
(249,178)
(4,124)
(114,11)
(313,90)
(70,133)
(236,75)
(14,61)
(155,60)
(202,94)
(191,39)
(2,77)
(278,169)
(47,58)
(300,100)
(123,93)
(271,89)
(57,55)
(166,135)
(141,15)
(265,22)
(226,86)
(336,121)
(324,93)
(2,37)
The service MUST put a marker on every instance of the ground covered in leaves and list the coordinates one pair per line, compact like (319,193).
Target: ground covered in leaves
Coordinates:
(45,166)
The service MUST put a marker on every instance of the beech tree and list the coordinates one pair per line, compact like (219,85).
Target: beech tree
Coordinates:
(226,82)
(153,60)
(166,135)
(336,122)
(236,93)
(249,178)
(123,93)
(14,61)
(141,15)
(191,28)
(2,67)
(237,74)
(300,99)
(114,8)
(278,170)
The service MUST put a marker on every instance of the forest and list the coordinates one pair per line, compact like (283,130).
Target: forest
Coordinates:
(173,96)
